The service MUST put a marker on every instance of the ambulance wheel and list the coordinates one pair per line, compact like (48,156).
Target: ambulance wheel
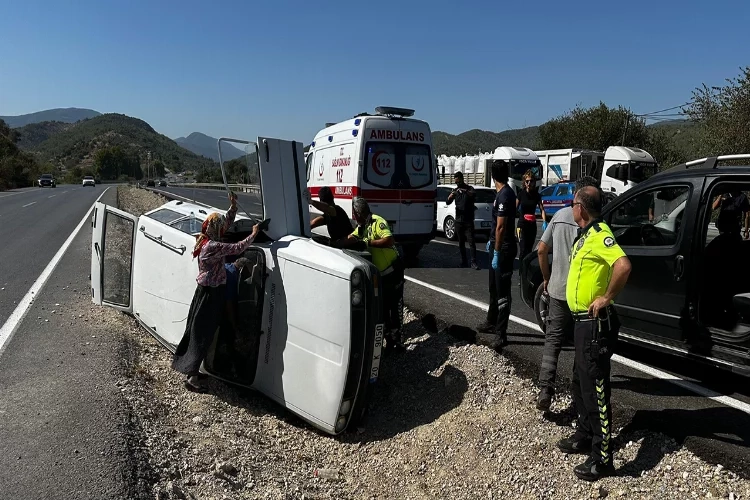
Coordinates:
(449,228)
(410,253)
(540,308)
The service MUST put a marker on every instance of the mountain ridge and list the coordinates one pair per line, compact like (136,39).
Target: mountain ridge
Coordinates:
(205,145)
(64,115)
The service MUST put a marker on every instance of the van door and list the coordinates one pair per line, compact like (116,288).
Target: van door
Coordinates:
(112,249)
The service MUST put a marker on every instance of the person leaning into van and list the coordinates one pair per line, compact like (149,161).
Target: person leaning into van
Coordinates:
(464,196)
(209,300)
(526,203)
(599,270)
(334,217)
(373,231)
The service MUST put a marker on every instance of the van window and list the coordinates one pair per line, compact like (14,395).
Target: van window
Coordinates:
(309,165)
(398,166)
(442,194)
(548,191)
(484,196)
(165,215)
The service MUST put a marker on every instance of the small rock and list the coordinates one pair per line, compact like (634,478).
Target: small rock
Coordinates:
(685,475)
(731,495)
(198,419)
(176,490)
(228,468)
(603,493)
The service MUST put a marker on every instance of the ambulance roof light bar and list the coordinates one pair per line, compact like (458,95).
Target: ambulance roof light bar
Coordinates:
(391,111)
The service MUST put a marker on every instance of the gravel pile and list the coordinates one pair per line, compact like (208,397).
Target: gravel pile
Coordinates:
(447,420)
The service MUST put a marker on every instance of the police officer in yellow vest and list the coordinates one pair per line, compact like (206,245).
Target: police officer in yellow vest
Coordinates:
(373,231)
(599,270)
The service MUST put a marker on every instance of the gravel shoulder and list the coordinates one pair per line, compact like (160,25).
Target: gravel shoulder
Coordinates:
(448,420)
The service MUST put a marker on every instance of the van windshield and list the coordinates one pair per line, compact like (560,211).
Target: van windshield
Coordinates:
(519,167)
(396,165)
(639,172)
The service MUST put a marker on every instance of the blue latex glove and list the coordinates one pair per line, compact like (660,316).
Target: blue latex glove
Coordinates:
(489,244)
(544,226)
(495,260)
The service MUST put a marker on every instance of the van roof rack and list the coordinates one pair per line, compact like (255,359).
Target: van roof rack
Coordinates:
(712,161)
(392,111)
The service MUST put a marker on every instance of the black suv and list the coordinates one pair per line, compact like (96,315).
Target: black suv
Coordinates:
(46,180)
(689,289)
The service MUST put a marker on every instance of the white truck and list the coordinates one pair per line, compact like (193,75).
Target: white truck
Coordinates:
(564,165)
(477,170)
(624,167)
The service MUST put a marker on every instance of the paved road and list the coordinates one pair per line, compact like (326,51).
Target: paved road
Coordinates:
(65,427)
(35,222)
(249,203)
(716,432)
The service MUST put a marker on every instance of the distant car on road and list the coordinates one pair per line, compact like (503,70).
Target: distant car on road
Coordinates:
(162,183)
(560,195)
(47,180)
(89,181)
(446,214)
(150,183)
(689,289)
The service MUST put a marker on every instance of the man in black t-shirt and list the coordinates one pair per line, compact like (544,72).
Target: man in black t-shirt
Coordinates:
(463,195)
(502,252)
(339,224)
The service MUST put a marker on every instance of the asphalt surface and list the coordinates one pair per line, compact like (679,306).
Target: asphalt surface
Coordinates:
(35,222)
(65,428)
(715,432)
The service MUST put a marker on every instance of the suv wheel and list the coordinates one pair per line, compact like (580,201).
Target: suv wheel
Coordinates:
(540,308)
(449,228)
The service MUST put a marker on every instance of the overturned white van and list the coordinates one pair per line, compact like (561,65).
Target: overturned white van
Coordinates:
(310,326)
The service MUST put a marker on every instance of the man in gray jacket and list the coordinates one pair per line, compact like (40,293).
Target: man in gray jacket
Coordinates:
(559,236)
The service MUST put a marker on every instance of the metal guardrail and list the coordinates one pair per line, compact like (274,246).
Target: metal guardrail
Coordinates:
(239,188)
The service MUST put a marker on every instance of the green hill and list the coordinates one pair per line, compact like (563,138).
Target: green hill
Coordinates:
(77,145)
(204,145)
(32,135)
(65,115)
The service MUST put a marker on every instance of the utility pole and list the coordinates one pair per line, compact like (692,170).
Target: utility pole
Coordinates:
(148,165)
(624,132)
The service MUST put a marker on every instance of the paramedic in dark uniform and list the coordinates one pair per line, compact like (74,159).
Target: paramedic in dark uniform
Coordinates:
(502,255)
(464,196)
(373,233)
(599,270)
(337,222)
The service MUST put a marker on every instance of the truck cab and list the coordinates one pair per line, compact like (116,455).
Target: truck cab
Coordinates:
(521,160)
(386,158)
(624,167)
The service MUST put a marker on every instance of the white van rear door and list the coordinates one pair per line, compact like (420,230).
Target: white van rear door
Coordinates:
(112,249)
(282,181)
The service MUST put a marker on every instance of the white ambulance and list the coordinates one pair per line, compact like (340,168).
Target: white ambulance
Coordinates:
(387,159)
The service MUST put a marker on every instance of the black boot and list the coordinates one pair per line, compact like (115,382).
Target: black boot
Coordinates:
(593,469)
(577,443)
(544,400)
(491,340)
(486,327)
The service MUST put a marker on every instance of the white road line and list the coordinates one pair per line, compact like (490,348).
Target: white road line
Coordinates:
(15,318)
(5,195)
(66,192)
(635,365)
(28,204)
(48,197)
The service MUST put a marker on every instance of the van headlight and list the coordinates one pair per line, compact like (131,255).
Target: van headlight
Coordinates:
(346,407)
(340,424)
(357,277)
(357,297)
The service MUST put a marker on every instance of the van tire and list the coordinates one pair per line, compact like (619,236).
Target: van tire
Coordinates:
(538,304)
(449,228)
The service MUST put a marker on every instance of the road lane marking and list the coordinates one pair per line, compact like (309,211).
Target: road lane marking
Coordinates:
(48,197)
(635,365)
(15,318)
(28,204)
(5,195)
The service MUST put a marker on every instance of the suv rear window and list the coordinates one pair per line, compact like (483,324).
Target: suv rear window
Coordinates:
(166,216)
(398,165)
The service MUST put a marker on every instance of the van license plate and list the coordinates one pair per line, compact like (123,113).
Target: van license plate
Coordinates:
(485,223)
(378,348)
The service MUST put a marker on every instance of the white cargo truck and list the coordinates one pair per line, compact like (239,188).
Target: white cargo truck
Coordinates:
(564,165)
(624,167)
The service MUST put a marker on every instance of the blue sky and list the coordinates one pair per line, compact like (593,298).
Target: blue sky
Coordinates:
(284,68)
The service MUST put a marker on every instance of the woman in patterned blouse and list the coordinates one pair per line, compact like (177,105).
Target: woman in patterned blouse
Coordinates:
(207,306)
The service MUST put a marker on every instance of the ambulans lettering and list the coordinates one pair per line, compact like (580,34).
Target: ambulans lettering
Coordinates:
(397,135)
(343,191)
(341,162)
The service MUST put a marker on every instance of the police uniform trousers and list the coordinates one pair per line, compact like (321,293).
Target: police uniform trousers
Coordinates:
(498,313)
(464,230)
(393,298)
(595,339)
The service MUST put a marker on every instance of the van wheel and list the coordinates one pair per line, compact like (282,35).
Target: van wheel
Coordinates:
(540,309)
(449,228)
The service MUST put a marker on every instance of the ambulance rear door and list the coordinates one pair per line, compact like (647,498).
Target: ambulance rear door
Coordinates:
(398,179)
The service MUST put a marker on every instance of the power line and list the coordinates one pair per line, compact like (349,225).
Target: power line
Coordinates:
(666,109)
